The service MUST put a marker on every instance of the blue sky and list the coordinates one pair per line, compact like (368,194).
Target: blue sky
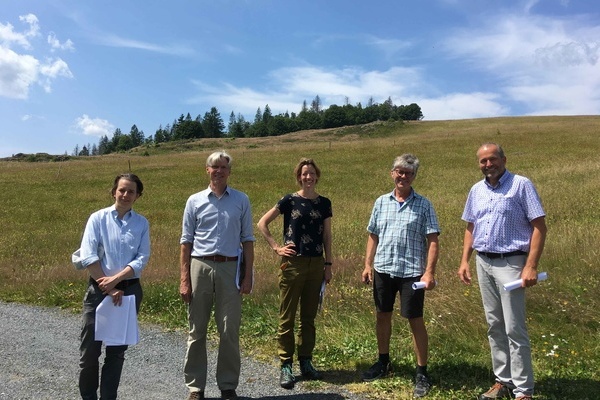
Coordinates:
(72,70)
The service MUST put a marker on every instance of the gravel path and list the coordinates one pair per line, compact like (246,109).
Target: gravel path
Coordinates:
(39,360)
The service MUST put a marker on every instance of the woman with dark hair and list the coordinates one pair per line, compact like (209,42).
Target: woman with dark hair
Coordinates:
(305,265)
(115,249)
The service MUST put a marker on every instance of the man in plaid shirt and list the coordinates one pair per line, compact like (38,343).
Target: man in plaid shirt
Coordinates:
(402,249)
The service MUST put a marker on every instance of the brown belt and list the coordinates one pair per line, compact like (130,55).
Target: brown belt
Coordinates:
(218,258)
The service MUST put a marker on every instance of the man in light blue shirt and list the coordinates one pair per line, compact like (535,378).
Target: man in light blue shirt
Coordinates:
(506,226)
(216,222)
(402,249)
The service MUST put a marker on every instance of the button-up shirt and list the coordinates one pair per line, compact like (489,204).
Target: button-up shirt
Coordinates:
(124,241)
(217,225)
(502,214)
(402,229)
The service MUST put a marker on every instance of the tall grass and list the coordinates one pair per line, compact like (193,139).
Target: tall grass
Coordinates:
(45,206)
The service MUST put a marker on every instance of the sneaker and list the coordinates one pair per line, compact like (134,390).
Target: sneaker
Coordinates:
(287,378)
(525,398)
(199,395)
(308,370)
(497,391)
(229,394)
(377,370)
(422,386)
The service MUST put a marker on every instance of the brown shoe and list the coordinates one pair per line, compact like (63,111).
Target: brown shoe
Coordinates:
(525,398)
(199,395)
(497,391)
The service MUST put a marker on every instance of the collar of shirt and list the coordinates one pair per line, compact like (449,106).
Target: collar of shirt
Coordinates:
(503,178)
(410,197)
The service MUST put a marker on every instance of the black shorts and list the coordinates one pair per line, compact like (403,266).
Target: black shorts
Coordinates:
(385,288)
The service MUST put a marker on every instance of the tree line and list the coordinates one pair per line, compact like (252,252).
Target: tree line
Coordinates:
(211,125)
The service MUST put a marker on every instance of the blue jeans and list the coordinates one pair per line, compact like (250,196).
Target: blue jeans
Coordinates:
(91,349)
(505,315)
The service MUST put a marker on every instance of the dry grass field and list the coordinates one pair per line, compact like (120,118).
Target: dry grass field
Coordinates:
(45,207)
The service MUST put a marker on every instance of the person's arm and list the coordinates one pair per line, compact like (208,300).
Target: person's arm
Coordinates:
(536,247)
(372,242)
(263,226)
(327,241)
(464,272)
(185,280)
(433,251)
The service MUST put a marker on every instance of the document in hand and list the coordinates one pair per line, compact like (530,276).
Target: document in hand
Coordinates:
(117,325)
(542,276)
(322,294)
(241,271)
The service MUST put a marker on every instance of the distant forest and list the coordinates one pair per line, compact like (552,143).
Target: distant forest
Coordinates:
(211,125)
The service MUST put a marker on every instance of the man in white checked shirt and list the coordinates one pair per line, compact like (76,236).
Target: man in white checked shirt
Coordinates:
(506,225)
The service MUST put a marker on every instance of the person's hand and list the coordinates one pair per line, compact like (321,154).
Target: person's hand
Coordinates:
(464,273)
(328,274)
(289,250)
(429,280)
(185,290)
(117,296)
(529,276)
(246,286)
(367,275)
(107,284)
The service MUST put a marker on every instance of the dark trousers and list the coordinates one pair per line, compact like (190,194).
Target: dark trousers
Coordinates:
(91,349)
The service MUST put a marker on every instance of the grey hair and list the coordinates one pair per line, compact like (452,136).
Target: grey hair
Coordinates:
(407,161)
(216,156)
(499,152)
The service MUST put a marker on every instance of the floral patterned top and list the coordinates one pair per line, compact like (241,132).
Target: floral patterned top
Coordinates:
(303,222)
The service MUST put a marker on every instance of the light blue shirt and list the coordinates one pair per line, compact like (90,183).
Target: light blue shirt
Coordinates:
(125,242)
(501,215)
(217,225)
(402,229)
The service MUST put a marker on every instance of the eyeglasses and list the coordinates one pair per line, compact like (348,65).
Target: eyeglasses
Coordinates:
(407,174)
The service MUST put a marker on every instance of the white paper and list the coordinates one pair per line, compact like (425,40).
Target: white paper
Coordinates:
(419,285)
(542,276)
(117,325)
(322,293)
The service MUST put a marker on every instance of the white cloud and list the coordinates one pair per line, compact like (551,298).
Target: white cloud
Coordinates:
(462,105)
(55,44)
(19,71)
(304,83)
(546,64)
(116,41)
(94,126)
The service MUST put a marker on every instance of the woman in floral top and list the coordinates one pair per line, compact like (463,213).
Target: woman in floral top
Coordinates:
(305,265)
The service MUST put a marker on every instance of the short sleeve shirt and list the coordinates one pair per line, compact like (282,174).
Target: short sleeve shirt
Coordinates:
(501,215)
(303,222)
(402,229)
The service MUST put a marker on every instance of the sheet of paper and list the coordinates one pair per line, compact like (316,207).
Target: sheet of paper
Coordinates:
(117,325)
(542,276)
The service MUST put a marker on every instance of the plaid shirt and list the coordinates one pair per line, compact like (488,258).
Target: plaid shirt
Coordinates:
(402,229)
(501,215)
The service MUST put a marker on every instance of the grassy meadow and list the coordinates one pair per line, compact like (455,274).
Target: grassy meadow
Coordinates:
(45,207)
